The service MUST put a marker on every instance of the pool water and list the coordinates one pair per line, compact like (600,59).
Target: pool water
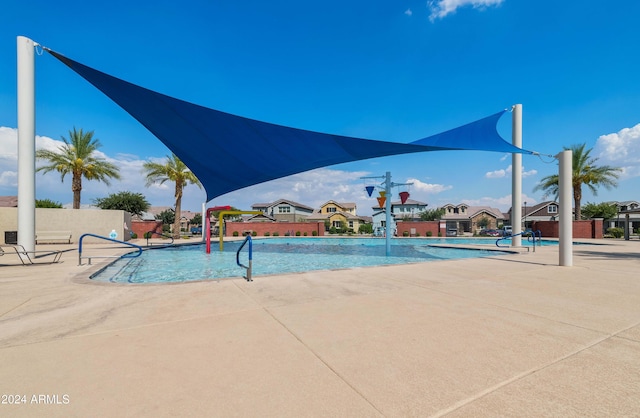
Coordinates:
(280,255)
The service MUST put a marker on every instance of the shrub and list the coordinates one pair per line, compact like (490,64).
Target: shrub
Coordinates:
(276,234)
(616,232)
(314,233)
(305,234)
(429,233)
(235,233)
(266,234)
(286,234)
(254,233)
(148,235)
(297,233)
(417,234)
(405,234)
(333,230)
(439,233)
(134,235)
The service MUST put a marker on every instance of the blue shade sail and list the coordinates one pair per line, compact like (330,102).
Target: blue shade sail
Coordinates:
(228,152)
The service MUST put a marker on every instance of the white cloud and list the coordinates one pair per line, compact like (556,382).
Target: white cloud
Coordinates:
(441,8)
(504,172)
(428,188)
(408,12)
(621,149)
(498,173)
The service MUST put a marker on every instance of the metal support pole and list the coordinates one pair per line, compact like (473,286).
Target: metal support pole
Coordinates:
(26,144)
(516,176)
(564,199)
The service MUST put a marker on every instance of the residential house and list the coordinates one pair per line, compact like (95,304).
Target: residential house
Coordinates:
(185,215)
(283,210)
(409,210)
(629,208)
(465,218)
(339,215)
(544,211)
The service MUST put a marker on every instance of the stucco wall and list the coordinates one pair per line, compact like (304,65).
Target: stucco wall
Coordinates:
(76,221)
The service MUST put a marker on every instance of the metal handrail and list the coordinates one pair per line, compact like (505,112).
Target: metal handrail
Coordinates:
(148,234)
(528,231)
(249,267)
(127,255)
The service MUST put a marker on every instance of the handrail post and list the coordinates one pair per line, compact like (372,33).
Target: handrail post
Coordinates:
(139,248)
(250,267)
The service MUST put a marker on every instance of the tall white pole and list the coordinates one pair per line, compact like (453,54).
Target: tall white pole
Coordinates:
(387,189)
(565,192)
(26,144)
(204,213)
(516,176)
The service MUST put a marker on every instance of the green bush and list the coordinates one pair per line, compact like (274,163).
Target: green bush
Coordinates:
(405,234)
(134,235)
(286,234)
(417,234)
(314,233)
(333,230)
(439,233)
(297,233)
(615,232)
(254,233)
(266,234)
(235,233)
(276,234)
(429,233)
(148,235)
(304,234)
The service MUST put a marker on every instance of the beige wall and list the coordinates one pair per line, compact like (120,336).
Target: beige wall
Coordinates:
(76,221)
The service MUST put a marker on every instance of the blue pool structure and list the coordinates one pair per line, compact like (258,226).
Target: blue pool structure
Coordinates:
(184,263)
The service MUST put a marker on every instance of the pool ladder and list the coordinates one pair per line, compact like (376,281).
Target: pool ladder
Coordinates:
(529,233)
(250,248)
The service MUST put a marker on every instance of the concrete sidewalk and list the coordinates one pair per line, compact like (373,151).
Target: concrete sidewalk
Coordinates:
(512,335)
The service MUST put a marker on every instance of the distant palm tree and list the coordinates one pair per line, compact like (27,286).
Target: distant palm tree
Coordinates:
(176,171)
(77,156)
(585,171)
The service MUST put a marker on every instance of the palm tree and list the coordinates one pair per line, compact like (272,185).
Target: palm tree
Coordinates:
(585,172)
(77,156)
(176,171)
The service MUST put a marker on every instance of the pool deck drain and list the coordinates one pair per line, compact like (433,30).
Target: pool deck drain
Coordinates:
(510,335)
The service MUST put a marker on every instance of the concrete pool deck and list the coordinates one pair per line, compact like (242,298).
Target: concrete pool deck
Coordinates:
(513,335)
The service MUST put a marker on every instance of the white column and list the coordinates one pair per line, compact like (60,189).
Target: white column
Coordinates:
(26,144)
(565,201)
(516,176)
(389,232)
(204,213)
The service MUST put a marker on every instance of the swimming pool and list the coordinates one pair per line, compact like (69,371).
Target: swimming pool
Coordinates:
(281,255)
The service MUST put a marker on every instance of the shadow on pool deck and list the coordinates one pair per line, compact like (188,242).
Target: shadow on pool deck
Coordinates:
(513,335)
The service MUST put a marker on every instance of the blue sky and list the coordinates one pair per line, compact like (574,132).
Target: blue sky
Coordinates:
(387,70)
